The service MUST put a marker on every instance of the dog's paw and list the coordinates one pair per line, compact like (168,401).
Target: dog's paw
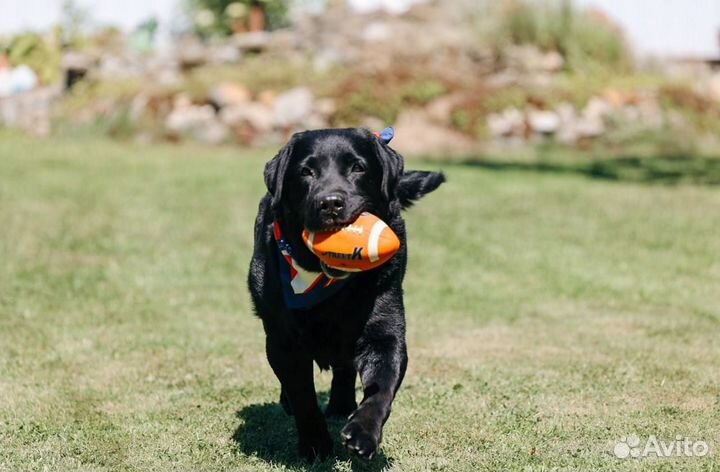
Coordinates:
(316,448)
(360,440)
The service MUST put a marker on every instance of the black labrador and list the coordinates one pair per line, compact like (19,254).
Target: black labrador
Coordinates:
(352,323)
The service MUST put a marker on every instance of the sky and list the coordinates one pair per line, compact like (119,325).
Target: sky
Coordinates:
(658,27)
(672,27)
(16,15)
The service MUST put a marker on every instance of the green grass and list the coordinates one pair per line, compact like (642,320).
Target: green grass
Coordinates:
(549,314)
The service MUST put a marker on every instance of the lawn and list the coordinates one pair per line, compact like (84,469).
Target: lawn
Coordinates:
(549,315)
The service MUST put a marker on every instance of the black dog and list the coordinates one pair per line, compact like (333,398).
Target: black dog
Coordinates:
(351,323)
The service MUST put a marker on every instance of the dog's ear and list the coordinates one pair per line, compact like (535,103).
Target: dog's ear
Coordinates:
(392,167)
(275,171)
(415,184)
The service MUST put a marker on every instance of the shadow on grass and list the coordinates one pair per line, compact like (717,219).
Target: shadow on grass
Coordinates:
(268,433)
(661,170)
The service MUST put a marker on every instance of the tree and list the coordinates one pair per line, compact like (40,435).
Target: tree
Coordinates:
(222,17)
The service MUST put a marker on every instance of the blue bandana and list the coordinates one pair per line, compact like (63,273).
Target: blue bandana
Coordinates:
(302,289)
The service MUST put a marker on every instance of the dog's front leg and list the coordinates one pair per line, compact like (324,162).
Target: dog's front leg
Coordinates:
(381,361)
(294,369)
(342,392)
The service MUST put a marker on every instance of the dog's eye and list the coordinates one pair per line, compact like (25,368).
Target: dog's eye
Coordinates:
(358,167)
(306,172)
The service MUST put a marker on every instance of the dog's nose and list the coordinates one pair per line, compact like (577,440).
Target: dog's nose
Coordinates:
(332,205)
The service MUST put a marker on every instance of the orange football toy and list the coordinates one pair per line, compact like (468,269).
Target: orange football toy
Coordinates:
(364,244)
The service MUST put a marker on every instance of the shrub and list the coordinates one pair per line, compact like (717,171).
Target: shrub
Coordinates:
(383,94)
(587,39)
(32,50)
(700,111)
(220,18)
(423,91)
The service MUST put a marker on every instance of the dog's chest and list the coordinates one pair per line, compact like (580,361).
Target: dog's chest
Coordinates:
(329,334)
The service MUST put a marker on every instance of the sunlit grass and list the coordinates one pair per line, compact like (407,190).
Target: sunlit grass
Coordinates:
(549,314)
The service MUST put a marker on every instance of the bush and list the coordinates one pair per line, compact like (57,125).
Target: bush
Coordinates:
(383,94)
(30,49)
(217,18)
(422,91)
(587,39)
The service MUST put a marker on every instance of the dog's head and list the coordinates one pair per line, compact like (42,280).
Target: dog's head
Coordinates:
(324,179)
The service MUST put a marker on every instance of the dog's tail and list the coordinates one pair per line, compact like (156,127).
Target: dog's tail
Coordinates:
(414,184)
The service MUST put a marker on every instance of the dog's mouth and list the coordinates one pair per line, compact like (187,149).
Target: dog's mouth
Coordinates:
(333,228)
(330,225)
(333,273)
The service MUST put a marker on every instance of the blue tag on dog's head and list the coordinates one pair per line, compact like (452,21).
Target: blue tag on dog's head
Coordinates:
(386,135)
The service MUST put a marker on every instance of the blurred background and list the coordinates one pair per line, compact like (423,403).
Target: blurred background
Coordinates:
(463,77)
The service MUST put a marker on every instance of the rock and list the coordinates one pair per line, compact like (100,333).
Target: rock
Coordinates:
(257,115)
(168,78)
(591,123)
(252,42)
(552,62)
(197,122)
(213,132)
(567,132)
(503,79)
(224,54)
(509,122)
(184,118)
(567,135)
(440,110)
(529,58)
(181,100)
(283,40)
(161,70)
(325,107)
(395,7)
(267,97)
(228,93)
(328,57)
(293,107)
(614,97)
(78,61)
(651,114)
(597,109)
(113,67)
(566,112)
(497,125)
(314,121)
(416,133)
(543,121)
(377,31)
(713,86)
(587,127)
(618,98)
(190,53)
(29,111)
